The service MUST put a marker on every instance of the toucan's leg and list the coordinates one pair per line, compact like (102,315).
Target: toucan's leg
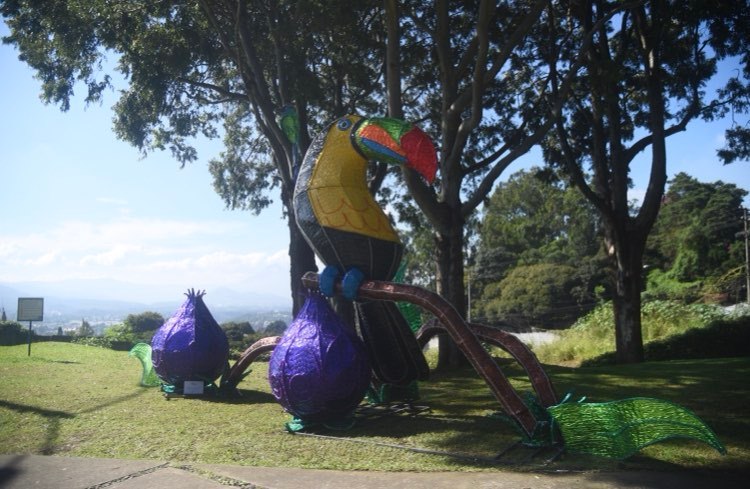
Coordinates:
(353,278)
(327,280)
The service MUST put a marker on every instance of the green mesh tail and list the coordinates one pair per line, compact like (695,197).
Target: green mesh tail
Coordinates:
(392,393)
(142,351)
(297,425)
(618,429)
(411,312)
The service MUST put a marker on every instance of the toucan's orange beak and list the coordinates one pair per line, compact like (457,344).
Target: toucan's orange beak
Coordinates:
(395,141)
(420,153)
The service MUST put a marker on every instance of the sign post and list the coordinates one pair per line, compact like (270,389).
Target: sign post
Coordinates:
(30,309)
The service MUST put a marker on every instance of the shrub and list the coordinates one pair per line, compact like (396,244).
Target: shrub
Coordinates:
(144,322)
(12,333)
(593,335)
(722,338)
(123,332)
(530,290)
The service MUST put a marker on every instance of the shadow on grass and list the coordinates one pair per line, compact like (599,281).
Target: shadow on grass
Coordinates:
(54,417)
(716,390)
(242,396)
(459,441)
(9,471)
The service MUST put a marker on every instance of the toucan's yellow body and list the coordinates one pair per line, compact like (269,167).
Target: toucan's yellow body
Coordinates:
(348,230)
(337,194)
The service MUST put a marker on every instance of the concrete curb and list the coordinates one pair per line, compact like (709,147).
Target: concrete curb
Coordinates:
(53,472)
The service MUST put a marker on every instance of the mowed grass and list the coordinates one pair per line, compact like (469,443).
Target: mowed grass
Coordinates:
(68,399)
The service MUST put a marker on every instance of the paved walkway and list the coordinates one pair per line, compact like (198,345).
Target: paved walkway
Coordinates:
(42,472)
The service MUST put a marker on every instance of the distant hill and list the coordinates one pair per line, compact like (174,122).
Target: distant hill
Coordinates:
(103,302)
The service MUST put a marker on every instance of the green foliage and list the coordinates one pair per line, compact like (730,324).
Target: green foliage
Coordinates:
(276,328)
(533,232)
(91,341)
(12,333)
(125,333)
(662,285)
(538,250)
(195,70)
(695,235)
(534,218)
(235,329)
(240,335)
(593,335)
(136,328)
(625,103)
(144,322)
(721,338)
(531,290)
(85,329)
(662,319)
(419,251)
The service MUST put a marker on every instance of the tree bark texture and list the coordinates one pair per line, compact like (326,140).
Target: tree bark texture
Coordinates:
(450,285)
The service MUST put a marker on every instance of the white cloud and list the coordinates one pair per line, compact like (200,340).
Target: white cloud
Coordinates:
(223,259)
(7,249)
(147,251)
(109,257)
(110,200)
(43,260)
(281,258)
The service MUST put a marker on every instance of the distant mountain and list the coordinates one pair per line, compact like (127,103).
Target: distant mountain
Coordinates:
(113,300)
(113,290)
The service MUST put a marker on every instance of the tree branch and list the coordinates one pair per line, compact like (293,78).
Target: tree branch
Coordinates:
(227,94)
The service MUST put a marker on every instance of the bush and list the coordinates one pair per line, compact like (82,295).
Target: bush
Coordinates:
(593,335)
(104,342)
(531,290)
(662,286)
(722,338)
(124,333)
(12,333)
(144,322)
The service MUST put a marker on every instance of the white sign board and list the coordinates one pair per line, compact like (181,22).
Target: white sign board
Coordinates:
(193,387)
(30,309)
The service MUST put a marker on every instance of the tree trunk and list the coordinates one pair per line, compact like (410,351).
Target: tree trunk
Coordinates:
(628,281)
(450,285)
(301,260)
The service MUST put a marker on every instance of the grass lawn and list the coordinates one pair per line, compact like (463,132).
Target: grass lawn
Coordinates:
(68,399)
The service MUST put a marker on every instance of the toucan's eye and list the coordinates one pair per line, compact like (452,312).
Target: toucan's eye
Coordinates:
(344,124)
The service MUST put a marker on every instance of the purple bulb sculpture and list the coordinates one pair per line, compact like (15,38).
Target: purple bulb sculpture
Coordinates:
(320,370)
(190,345)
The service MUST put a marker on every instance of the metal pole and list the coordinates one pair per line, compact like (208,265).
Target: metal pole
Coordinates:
(747,260)
(468,312)
(29,354)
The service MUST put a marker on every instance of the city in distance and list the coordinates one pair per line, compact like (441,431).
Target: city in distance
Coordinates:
(103,303)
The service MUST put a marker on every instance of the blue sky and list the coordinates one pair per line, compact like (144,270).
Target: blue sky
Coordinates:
(77,203)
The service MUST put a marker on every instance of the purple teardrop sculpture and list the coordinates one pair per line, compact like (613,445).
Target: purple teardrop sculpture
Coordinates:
(319,371)
(190,345)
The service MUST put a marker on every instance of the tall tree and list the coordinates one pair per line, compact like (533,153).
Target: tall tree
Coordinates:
(536,218)
(644,80)
(695,236)
(475,72)
(203,67)
(85,329)
(535,228)
(144,322)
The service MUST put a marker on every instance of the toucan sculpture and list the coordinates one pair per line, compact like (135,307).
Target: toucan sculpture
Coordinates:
(354,238)
(352,235)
